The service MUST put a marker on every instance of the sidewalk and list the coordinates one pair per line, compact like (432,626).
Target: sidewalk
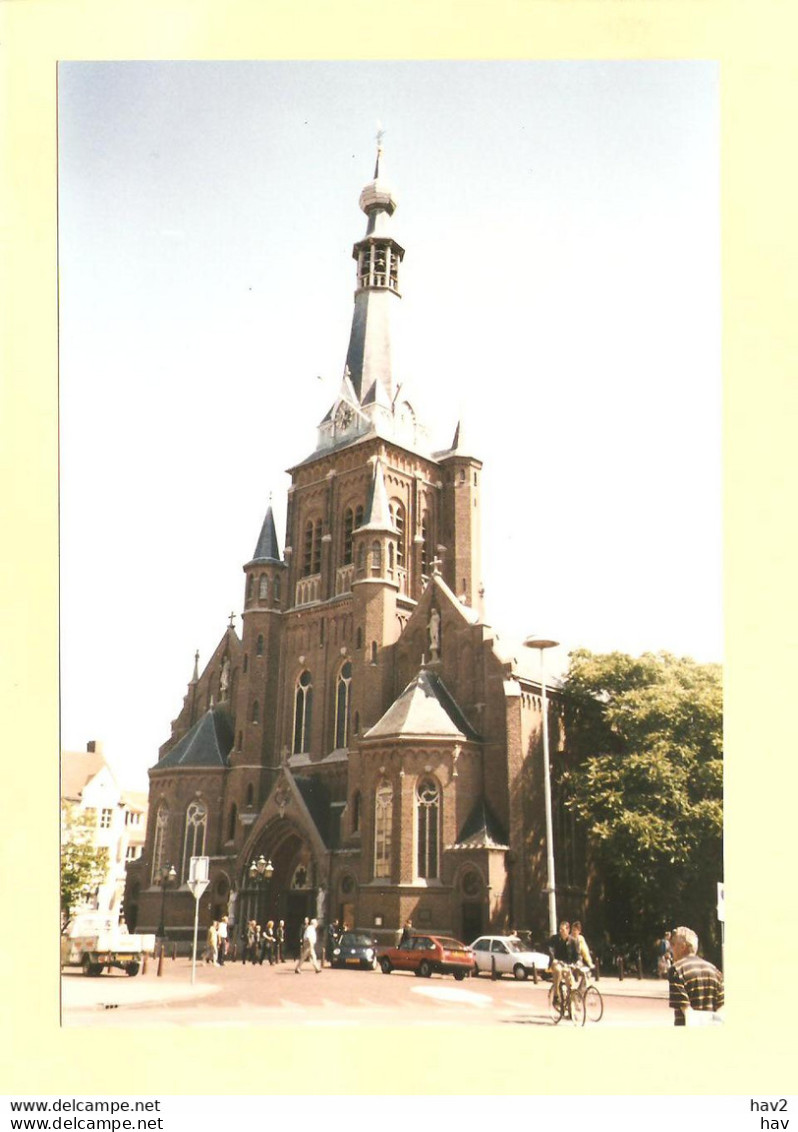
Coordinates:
(633,987)
(117,989)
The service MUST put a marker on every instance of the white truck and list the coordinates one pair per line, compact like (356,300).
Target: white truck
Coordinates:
(96,942)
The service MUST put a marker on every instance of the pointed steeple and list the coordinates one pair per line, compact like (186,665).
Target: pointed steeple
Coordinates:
(377,516)
(267,549)
(378,257)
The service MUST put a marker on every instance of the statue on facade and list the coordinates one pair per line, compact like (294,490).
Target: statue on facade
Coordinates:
(320,898)
(434,633)
(224,679)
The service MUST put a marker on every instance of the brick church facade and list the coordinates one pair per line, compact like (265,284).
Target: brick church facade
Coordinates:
(366,732)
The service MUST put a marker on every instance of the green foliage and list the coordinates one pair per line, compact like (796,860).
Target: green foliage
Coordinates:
(647,786)
(83,865)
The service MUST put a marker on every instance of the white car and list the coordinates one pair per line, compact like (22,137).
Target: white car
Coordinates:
(509,954)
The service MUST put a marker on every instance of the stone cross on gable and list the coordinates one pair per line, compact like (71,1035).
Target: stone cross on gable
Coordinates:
(436,564)
(232,622)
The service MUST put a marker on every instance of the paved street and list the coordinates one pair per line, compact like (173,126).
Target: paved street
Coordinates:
(239,995)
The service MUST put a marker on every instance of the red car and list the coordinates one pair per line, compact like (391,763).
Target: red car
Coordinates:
(424,954)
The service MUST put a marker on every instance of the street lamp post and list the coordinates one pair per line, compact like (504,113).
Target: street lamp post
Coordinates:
(261,872)
(166,877)
(543,643)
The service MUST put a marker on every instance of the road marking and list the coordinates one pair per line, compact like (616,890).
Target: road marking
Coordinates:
(455,995)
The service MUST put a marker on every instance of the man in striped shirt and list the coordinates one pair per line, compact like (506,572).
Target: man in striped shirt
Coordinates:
(695,985)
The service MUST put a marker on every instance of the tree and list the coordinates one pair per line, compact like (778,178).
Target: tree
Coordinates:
(83,865)
(646,781)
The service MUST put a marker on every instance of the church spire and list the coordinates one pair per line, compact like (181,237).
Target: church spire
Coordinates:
(378,512)
(268,549)
(378,256)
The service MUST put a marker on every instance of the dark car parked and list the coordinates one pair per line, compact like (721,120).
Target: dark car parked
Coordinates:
(354,949)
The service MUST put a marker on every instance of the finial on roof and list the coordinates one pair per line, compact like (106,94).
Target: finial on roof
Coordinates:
(195,677)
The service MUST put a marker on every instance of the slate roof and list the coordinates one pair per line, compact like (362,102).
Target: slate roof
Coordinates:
(268,549)
(425,708)
(207,744)
(482,830)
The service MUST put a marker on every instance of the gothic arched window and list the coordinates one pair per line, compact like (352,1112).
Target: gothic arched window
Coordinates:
(276,589)
(231,824)
(194,841)
(159,841)
(398,516)
(250,794)
(311,550)
(356,812)
(426,557)
(342,696)
(263,587)
(256,712)
(376,557)
(349,526)
(383,829)
(303,706)
(259,646)
(428,808)
(361,559)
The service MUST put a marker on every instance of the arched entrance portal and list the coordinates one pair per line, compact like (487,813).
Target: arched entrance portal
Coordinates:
(290,893)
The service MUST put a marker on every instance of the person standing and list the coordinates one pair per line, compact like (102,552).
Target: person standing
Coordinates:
(270,942)
(308,950)
(222,935)
(664,956)
(211,942)
(407,934)
(279,937)
(333,935)
(249,943)
(696,986)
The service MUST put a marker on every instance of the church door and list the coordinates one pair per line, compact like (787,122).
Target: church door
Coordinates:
(297,906)
(472,922)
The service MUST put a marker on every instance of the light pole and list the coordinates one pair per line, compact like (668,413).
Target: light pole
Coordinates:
(260,873)
(543,643)
(167,877)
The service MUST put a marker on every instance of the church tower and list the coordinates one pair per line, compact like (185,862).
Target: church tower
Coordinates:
(365,736)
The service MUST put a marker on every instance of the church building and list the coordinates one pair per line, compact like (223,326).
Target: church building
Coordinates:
(365,737)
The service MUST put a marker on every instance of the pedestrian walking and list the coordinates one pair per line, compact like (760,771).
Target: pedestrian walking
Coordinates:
(696,986)
(222,940)
(308,948)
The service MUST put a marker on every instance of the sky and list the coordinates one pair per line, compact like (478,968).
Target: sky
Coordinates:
(561,294)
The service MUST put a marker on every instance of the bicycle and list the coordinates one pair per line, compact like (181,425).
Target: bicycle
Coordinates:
(577,999)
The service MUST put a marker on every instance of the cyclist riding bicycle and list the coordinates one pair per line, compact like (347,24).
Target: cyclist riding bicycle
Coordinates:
(562,952)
